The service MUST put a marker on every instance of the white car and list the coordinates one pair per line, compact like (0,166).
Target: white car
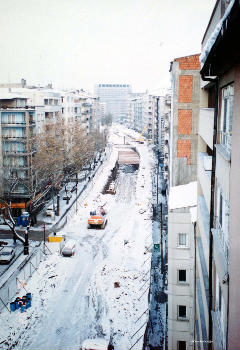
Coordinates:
(6,255)
(50,212)
(68,248)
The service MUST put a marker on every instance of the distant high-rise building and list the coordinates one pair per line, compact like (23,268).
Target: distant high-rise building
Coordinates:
(116,98)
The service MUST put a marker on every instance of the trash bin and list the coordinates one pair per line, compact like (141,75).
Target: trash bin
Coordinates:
(13,306)
(24,218)
(23,307)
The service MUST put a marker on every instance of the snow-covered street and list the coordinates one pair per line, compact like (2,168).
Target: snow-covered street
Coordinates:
(75,298)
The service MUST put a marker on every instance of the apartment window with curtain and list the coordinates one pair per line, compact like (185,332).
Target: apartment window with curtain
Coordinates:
(182,240)
(227,117)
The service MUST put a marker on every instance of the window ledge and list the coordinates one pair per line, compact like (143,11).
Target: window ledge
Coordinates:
(182,247)
(223,152)
(184,319)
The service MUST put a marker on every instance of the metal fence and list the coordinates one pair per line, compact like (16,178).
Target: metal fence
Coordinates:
(18,279)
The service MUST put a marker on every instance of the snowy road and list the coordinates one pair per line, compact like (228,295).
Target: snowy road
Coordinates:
(74,298)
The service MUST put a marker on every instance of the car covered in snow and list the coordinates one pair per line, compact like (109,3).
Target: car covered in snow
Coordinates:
(68,248)
(6,255)
(50,212)
(95,344)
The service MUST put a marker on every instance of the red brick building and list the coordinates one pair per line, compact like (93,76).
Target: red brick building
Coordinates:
(184,119)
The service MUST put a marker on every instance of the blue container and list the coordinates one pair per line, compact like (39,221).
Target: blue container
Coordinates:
(13,306)
(29,296)
(16,304)
(24,218)
(23,308)
(28,304)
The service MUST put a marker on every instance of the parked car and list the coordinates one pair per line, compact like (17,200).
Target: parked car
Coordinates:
(6,255)
(68,248)
(50,212)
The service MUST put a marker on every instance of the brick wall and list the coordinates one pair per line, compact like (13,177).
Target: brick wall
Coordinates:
(185,88)
(184,121)
(184,149)
(189,62)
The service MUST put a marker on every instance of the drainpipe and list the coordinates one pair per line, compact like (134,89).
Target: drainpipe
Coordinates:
(210,336)
(195,282)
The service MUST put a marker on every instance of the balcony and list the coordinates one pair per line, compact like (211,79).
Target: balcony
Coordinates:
(15,138)
(206,119)
(18,153)
(221,240)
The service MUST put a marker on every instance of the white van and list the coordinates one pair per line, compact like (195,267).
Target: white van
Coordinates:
(68,248)
(95,344)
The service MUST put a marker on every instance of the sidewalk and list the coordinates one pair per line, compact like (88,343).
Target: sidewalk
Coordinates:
(55,223)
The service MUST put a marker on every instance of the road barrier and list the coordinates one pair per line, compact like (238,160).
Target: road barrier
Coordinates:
(11,285)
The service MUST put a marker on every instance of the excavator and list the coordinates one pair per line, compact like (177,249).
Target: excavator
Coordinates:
(140,138)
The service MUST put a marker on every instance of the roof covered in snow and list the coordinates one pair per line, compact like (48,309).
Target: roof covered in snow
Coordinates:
(212,39)
(183,196)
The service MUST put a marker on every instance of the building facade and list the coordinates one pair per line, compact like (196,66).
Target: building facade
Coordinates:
(218,278)
(116,98)
(183,128)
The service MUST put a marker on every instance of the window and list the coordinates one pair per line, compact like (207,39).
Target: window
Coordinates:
(181,345)
(182,311)
(182,240)
(226,117)
(11,118)
(182,276)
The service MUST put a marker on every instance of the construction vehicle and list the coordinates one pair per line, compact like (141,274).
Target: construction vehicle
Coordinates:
(140,138)
(111,189)
(97,218)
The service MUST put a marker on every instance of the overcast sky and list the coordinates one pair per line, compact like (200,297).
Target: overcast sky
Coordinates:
(77,43)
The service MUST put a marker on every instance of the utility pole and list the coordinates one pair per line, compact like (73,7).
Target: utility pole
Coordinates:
(76,191)
(26,245)
(44,237)
(58,205)
(161,238)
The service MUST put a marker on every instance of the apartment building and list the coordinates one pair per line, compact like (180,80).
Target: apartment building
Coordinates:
(182,200)
(217,276)
(18,126)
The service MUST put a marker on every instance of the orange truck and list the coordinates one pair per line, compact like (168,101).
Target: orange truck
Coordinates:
(97,219)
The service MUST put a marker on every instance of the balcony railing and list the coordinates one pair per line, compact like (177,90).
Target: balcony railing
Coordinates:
(226,141)
(222,238)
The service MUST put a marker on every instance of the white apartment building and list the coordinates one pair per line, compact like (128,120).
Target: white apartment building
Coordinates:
(182,214)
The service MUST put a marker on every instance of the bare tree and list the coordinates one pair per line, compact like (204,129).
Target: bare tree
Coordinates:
(6,213)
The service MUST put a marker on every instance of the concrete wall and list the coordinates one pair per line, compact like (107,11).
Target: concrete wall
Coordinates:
(184,120)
